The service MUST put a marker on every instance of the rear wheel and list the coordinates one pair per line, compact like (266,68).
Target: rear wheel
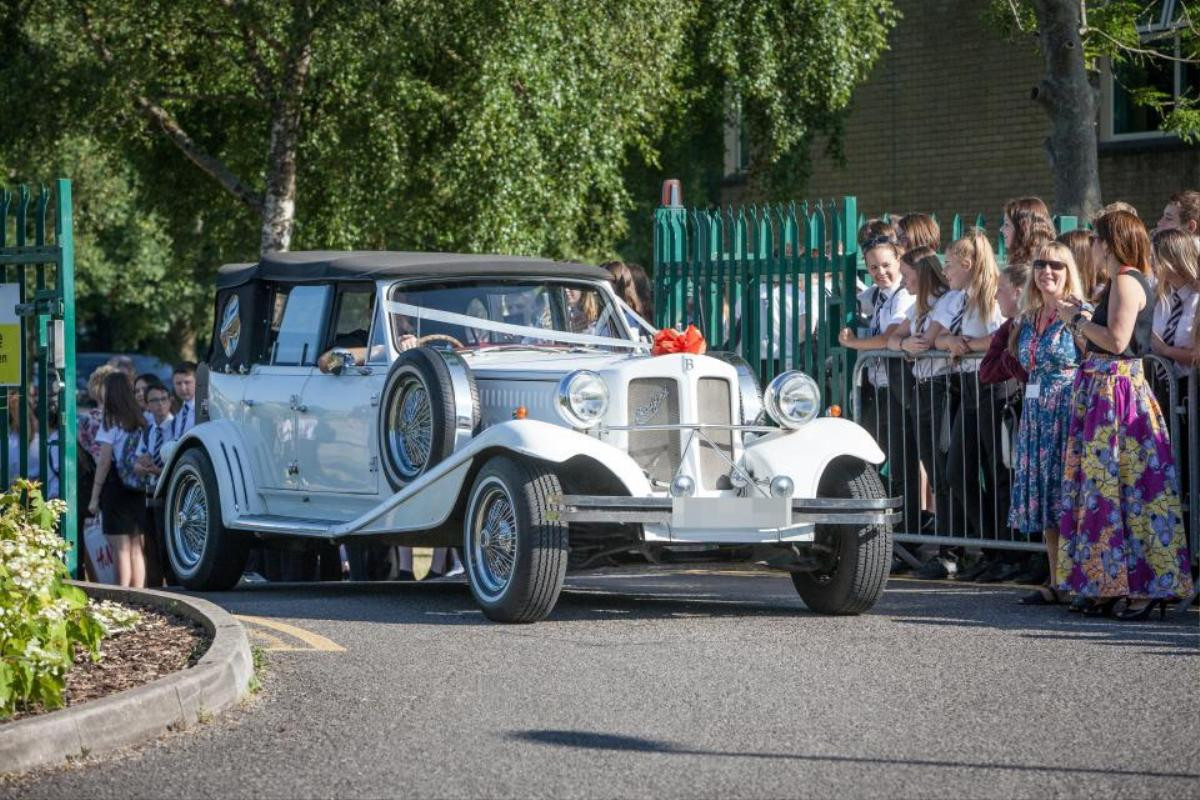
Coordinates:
(858,557)
(515,548)
(203,553)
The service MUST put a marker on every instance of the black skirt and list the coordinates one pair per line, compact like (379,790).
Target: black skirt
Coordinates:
(122,510)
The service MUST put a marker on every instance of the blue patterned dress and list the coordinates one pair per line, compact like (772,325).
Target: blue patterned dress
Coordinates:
(1042,436)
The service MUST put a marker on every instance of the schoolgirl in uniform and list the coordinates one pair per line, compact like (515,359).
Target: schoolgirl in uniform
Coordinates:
(927,402)
(966,327)
(884,307)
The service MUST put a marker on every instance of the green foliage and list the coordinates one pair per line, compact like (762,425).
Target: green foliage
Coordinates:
(517,126)
(42,618)
(1112,33)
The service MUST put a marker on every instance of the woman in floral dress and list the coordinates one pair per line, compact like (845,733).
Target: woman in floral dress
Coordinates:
(1048,353)
(1121,525)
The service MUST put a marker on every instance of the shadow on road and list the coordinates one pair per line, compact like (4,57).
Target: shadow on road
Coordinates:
(605,741)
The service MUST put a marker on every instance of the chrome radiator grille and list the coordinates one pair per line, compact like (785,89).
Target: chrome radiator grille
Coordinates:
(714,407)
(654,401)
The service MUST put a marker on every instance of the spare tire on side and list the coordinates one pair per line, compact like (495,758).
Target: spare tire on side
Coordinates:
(429,406)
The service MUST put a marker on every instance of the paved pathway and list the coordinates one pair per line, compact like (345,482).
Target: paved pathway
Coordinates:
(684,684)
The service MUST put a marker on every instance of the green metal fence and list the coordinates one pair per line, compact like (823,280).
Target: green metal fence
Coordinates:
(41,271)
(774,283)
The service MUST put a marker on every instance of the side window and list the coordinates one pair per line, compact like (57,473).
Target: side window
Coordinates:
(301,330)
(352,317)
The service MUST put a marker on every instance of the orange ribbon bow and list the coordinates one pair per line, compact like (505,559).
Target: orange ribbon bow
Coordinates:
(669,340)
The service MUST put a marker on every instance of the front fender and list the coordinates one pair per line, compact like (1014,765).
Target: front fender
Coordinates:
(429,500)
(804,454)
(222,442)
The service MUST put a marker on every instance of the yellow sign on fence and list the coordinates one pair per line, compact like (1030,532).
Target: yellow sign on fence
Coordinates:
(11,350)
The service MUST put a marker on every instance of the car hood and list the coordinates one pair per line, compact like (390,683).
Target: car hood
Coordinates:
(538,364)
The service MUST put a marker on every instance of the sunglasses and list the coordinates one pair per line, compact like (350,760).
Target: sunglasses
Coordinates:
(1045,263)
(876,241)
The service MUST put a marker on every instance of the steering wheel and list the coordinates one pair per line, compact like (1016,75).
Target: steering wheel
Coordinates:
(440,337)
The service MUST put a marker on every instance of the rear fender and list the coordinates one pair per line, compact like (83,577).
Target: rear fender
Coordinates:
(226,449)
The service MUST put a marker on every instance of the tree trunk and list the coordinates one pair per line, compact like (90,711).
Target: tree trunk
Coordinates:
(279,199)
(1070,98)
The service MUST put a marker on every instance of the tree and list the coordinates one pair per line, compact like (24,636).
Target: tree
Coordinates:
(1072,35)
(513,126)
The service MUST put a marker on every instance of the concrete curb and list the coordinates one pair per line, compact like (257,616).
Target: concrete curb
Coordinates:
(173,702)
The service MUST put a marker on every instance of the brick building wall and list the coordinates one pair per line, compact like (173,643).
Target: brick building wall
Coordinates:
(945,124)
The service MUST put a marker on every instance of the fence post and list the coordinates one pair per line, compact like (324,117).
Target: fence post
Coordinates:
(670,247)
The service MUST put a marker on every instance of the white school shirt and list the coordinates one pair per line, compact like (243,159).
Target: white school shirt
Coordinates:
(973,326)
(925,367)
(894,310)
(185,420)
(14,457)
(1187,320)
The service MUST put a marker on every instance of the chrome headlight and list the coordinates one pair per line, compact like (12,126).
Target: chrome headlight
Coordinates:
(793,399)
(582,398)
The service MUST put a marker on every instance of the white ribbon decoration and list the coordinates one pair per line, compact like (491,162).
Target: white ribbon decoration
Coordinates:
(479,323)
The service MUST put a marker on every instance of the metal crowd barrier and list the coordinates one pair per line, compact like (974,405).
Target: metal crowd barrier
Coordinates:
(957,436)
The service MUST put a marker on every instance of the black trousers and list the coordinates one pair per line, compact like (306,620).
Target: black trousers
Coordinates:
(979,481)
(932,407)
(885,416)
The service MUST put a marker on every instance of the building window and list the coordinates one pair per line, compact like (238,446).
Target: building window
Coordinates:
(1122,118)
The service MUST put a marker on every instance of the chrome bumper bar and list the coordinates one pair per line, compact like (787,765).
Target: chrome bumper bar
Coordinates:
(827,510)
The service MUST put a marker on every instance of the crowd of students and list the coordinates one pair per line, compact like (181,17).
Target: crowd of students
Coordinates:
(121,438)
(1060,333)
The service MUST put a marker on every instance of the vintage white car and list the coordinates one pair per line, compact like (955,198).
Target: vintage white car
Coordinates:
(510,407)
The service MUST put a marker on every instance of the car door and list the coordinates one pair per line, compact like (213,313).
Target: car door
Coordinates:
(337,414)
(272,400)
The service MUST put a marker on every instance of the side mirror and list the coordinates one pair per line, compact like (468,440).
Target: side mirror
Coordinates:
(341,360)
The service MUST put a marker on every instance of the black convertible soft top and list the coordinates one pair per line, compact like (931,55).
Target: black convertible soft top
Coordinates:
(328,265)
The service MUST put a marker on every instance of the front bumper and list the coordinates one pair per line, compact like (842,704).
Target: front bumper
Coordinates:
(731,513)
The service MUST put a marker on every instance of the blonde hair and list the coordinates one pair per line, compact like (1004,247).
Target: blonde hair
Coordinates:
(96,380)
(1032,301)
(1080,242)
(1175,252)
(1117,205)
(976,253)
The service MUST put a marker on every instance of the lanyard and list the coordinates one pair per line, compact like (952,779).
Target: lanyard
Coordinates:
(1039,330)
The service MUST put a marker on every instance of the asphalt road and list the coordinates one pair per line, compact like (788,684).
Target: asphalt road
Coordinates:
(657,684)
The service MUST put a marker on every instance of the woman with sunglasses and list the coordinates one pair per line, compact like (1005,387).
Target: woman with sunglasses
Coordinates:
(1121,524)
(1049,355)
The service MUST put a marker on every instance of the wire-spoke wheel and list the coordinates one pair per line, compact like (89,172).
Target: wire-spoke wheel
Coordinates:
(410,427)
(203,553)
(515,547)
(429,406)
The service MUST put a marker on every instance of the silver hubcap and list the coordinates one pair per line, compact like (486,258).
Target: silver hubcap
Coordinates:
(188,520)
(493,542)
(410,435)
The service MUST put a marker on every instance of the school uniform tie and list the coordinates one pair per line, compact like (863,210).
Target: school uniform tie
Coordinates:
(156,446)
(880,300)
(956,324)
(181,421)
(1173,318)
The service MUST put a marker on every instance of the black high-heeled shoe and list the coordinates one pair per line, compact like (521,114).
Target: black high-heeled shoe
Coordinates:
(1101,608)
(1143,612)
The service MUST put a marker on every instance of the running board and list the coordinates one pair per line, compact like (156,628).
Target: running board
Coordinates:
(286,526)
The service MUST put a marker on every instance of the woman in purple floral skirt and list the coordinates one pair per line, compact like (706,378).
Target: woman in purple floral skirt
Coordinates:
(1123,548)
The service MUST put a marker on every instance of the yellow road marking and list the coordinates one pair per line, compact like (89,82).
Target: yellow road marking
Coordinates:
(315,641)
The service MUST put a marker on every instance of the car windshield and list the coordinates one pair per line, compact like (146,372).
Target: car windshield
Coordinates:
(578,310)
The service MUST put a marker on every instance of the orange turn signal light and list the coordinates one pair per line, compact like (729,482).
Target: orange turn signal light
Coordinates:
(520,412)
(835,411)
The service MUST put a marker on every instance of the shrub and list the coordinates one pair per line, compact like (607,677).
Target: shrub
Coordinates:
(42,618)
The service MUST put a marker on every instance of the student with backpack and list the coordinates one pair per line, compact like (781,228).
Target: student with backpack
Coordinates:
(118,492)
